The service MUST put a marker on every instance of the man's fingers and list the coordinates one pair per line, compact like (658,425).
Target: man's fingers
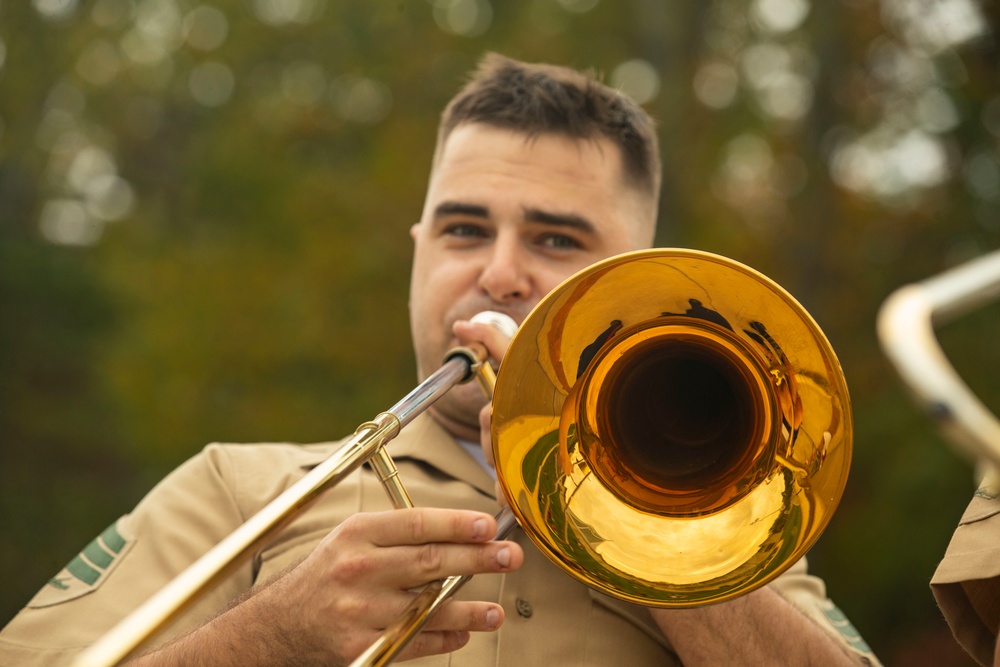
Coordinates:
(455,615)
(496,341)
(498,492)
(434,642)
(410,547)
(448,629)
(485,440)
(421,525)
(406,567)
(415,566)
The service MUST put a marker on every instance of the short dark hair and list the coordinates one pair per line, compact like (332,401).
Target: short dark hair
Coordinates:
(541,99)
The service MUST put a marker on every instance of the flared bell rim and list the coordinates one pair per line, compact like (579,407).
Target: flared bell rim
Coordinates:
(642,556)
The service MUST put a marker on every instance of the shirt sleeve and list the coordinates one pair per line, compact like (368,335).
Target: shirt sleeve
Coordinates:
(180,519)
(966,583)
(808,593)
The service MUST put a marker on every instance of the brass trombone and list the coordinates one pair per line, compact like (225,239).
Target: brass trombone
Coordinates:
(670,427)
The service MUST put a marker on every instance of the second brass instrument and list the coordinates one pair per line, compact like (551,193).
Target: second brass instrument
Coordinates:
(906,329)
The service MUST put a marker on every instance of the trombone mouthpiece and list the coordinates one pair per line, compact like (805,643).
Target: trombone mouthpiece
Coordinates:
(503,323)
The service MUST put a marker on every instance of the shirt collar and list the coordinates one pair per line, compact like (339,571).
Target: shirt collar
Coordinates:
(424,440)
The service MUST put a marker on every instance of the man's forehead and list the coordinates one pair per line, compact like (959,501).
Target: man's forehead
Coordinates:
(499,168)
(486,145)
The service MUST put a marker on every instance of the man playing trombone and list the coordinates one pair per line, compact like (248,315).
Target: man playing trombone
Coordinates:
(539,172)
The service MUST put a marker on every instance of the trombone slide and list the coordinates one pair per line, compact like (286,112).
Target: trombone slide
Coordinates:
(367,443)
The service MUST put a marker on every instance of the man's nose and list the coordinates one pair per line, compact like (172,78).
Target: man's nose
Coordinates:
(505,278)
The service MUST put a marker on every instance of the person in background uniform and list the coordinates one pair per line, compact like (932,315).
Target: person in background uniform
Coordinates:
(966,583)
(539,171)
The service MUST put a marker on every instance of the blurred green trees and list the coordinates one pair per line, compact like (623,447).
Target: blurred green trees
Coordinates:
(204,212)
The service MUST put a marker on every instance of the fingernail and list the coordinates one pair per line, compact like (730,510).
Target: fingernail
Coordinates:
(503,557)
(479,529)
(492,618)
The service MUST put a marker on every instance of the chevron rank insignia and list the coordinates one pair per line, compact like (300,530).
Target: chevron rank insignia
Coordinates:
(844,627)
(88,569)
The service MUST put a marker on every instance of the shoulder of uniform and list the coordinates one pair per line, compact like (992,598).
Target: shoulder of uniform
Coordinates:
(255,473)
(261,470)
(269,453)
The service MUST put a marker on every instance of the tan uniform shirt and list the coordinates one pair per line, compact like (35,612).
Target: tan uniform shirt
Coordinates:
(967,581)
(551,618)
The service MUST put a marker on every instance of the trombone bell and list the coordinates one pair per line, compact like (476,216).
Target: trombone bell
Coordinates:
(671,428)
(683,412)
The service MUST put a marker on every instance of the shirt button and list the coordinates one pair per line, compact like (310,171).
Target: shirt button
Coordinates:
(523,608)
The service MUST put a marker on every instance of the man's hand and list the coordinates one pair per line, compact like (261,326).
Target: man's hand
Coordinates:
(496,343)
(335,603)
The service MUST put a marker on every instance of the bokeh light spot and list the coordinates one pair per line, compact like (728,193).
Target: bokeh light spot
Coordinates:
(211,84)
(638,79)
(990,116)
(99,63)
(109,197)
(887,164)
(785,95)
(778,16)
(935,111)
(982,176)
(360,99)
(937,25)
(65,222)
(111,13)
(303,82)
(55,10)
(715,84)
(281,12)
(90,163)
(578,6)
(468,18)
(205,28)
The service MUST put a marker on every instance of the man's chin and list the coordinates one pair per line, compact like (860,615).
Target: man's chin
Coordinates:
(458,411)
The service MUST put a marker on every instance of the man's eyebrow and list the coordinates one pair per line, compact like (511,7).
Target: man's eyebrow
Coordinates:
(571,220)
(460,208)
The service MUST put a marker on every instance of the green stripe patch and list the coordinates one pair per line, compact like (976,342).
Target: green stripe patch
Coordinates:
(86,571)
(97,556)
(79,569)
(845,628)
(986,492)
(112,539)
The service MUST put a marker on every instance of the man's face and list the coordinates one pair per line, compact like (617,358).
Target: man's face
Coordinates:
(508,218)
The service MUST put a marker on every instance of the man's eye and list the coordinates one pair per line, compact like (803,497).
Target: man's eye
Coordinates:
(464,230)
(560,242)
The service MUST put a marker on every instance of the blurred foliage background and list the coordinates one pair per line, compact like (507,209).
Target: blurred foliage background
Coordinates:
(204,210)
